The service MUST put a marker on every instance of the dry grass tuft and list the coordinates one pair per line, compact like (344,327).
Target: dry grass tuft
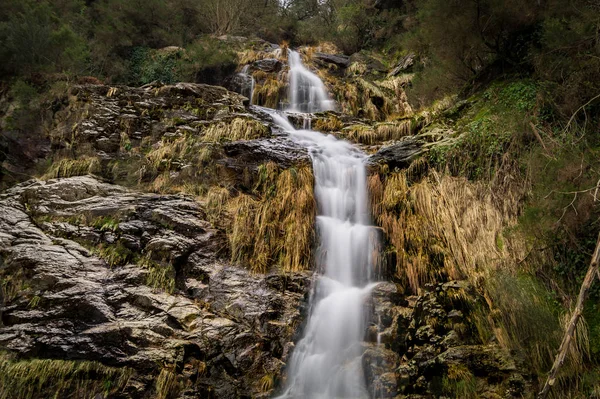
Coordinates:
(379,133)
(250,56)
(216,203)
(275,226)
(234,130)
(447,228)
(29,379)
(73,167)
(270,92)
(167,384)
(329,124)
(266,383)
(441,227)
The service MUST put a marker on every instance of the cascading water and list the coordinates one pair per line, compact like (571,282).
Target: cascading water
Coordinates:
(246,82)
(326,363)
(307,91)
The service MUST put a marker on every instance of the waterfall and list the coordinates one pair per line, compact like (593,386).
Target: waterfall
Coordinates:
(326,363)
(247,83)
(307,91)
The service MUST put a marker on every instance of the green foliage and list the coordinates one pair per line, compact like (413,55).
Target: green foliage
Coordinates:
(106,223)
(72,167)
(116,254)
(34,39)
(26,114)
(23,93)
(568,56)
(208,61)
(147,66)
(591,314)
(492,128)
(520,95)
(355,22)
(161,276)
(459,382)
(524,316)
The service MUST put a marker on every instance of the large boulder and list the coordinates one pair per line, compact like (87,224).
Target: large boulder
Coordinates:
(398,155)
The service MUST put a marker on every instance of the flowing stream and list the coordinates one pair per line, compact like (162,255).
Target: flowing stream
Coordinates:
(326,363)
(307,91)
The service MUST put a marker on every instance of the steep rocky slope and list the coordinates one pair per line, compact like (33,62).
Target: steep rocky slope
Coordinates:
(93,271)
(166,251)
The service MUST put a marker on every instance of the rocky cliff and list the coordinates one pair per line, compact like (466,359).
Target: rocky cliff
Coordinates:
(167,252)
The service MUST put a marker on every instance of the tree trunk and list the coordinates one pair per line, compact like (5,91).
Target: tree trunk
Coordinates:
(592,273)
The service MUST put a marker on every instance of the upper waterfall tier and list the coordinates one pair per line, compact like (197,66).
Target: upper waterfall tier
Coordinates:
(307,91)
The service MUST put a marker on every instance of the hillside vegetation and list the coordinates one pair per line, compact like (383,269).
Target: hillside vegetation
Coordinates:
(502,95)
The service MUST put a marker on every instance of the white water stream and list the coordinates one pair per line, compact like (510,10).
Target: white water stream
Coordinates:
(307,91)
(247,83)
(326,363)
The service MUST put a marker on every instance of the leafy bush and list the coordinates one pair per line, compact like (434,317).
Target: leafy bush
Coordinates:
(207,61)
(147,66)
(34,39)
(494,127)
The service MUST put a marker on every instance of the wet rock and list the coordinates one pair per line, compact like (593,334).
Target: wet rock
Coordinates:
(372,64)
(404,65)
(252,153)
(398,155)
(233,322)
(340,60)
(268,65)
(431,341)
(107,120)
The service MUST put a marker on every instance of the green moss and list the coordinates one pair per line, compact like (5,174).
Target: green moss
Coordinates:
(490,131)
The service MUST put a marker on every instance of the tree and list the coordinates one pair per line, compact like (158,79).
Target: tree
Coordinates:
(33,39)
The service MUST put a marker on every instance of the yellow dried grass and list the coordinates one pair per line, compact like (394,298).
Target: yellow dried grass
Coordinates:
(29,379)
(276,226)
(441,226)
(234,130)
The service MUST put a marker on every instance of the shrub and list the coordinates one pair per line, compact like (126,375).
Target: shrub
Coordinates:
(207,61)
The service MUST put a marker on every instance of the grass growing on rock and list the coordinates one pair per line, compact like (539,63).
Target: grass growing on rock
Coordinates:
(440,227)
(234,130)
(167,384)
(270,92)
(72,167)
(275,225)
(32,379)
(379,133)
(508,204)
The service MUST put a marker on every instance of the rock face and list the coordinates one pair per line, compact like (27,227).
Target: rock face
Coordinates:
(404,65)
(112,120)
(340,60)
(398,155)
(94,271)
(427,347)
(268,65)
